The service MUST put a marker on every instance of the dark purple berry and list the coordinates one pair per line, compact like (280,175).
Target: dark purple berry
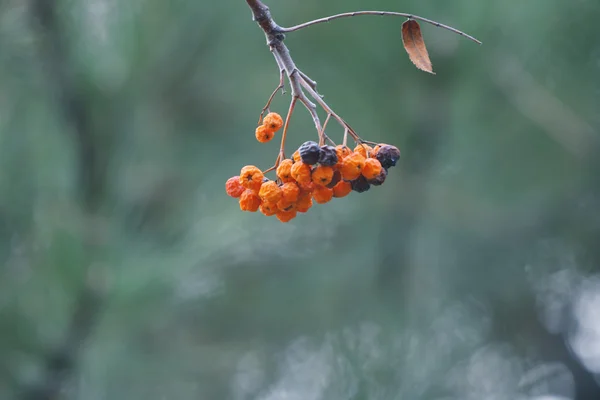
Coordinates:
(360,184)
(388,156)
(379,179)
(309,152)
(337,176)
(328,156)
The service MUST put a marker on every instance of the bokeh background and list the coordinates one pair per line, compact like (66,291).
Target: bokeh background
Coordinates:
(127,273)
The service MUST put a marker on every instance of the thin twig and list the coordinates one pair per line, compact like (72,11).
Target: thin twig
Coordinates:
(279,87)
(381,13)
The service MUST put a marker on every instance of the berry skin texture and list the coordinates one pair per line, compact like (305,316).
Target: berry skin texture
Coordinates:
(249,201)
(376,149)
(372,168)
(273,122)
(309,152)
(379,179)
(251,177)
(337,176)
(388,156)
(290,192)
(328,156)
(342,189)
(301,172)
(268,209)
(286,205)
(352,166)
(322,194)
(296,157)
(360,184)
(264,134)
(284,171)
(322,175)
(306,186)
(233,187)
(304,202)
(363,149)
(270,192)
(342,151)
(286,216)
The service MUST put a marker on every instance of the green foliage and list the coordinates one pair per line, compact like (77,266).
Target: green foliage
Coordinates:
(437,285)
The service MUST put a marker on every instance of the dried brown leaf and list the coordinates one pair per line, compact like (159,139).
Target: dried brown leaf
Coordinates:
(415,46)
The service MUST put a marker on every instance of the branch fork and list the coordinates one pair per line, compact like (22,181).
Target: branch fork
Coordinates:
(303,88)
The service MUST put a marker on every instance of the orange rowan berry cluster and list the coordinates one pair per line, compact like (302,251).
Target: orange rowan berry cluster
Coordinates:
(271,124)
(313,174)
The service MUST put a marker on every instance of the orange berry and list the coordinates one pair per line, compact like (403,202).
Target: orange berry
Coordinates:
(268,209)
(286,216)
(301,172)
(270,192)
(251,177)
(342,152)
(273,121)
(337,176)
(286,205)
(372,168)
(233,187)
(352,166)
(304,202)
(290,191)
(322,175)
(284,170)
(249,201)
(296,156)
(363,149)
(322,194)
(306,186)
(376,149)
(342,189)
(264,134)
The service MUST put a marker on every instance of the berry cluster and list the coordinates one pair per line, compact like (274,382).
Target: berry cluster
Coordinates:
(271,124)
(314,173)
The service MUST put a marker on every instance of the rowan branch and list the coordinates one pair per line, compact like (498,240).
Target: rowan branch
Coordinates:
(303,88)
(380,13)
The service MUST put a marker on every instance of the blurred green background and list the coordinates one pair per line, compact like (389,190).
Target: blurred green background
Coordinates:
(127,273)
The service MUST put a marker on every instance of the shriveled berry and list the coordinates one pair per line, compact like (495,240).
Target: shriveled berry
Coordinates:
(322,175)
(286,205)
(296,157)
(306,186)
(286,216)
(352,166)
(270,192)
(309,152)
(251,177)
(249,201)
(363,149)
(388,156)
(328,156)
(304,202)
(372,168)
(284,170)
(273,121)
(360,184)
(376,150)
(268,209)
(233,187)
(337,176)
(301,172)
(342,189)
(322,194)
(342,151)
(263,134)
(379,179)
(290,191)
